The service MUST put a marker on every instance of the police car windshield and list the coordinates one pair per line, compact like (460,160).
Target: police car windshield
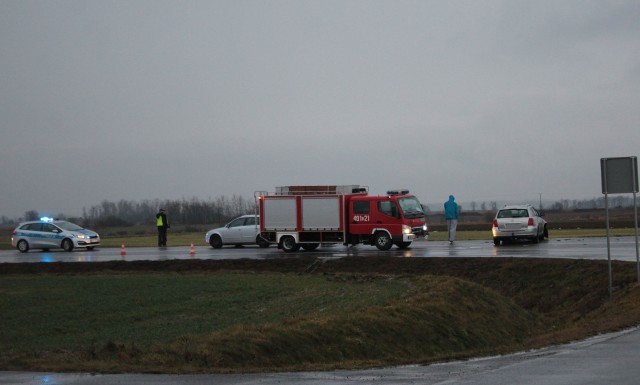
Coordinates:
(67,226)
(411,208)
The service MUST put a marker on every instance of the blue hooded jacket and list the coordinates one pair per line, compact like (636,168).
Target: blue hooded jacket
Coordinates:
(451,208)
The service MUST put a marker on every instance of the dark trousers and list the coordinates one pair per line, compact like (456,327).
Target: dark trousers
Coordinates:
(162,236)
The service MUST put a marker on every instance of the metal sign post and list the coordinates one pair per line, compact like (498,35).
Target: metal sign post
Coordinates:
(635,221)
(620,176)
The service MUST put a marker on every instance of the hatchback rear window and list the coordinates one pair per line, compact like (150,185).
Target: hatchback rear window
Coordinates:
(513,213)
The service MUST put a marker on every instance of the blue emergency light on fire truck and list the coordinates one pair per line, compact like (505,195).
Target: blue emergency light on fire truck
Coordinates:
(308,216)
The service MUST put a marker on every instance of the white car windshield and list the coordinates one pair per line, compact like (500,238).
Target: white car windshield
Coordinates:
(68,226)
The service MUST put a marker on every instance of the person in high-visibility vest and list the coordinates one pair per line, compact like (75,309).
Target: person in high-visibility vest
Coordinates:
(163,224)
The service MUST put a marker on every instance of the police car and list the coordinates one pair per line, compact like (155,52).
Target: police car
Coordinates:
(48,233)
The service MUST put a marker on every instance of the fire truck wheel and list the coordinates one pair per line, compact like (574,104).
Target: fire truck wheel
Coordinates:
(310,246)
(288,244)
(383,241)
(403,245)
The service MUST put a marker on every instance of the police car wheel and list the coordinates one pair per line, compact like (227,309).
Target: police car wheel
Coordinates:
(23,246)
(67,245)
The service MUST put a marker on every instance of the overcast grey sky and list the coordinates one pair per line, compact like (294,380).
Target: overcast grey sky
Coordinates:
(486,100)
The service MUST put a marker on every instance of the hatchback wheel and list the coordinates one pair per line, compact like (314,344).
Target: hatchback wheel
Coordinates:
(23,246)
(262,242)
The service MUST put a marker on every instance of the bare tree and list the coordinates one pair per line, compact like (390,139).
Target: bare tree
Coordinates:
(31,215)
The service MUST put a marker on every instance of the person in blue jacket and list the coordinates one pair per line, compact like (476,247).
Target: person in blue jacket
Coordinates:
(451,212)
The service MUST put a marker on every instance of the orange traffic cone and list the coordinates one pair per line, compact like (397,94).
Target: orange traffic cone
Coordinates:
(123,250)
(192,250)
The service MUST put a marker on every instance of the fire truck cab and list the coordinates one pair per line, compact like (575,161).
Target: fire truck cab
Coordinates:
(396,218)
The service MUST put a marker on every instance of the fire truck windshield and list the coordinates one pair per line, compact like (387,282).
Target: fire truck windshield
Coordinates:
(411,207)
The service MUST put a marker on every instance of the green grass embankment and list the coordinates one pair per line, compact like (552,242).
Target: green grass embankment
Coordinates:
(299,313)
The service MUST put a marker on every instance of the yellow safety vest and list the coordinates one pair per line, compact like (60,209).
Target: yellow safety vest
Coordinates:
(159,221)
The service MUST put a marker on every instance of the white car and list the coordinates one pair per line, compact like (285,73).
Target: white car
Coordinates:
(50,233)
(519,222)
(244,230)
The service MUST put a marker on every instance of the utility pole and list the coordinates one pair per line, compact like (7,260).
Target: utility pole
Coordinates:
(540,201)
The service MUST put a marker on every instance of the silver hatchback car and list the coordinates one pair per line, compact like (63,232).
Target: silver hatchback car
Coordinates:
(49,233)
(519,222)
(244,230)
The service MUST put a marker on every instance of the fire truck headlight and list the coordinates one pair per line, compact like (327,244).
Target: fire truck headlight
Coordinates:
(406,229)
(424,228)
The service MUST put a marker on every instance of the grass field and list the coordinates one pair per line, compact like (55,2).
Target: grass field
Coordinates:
(263,315)
(66,312)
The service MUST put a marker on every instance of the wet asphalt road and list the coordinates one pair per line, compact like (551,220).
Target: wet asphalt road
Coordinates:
(622,248)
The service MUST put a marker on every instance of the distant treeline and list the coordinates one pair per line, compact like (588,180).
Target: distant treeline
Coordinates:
(219,210)
(186,212)
(615,201)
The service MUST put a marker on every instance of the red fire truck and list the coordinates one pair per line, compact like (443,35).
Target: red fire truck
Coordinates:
(308,216)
